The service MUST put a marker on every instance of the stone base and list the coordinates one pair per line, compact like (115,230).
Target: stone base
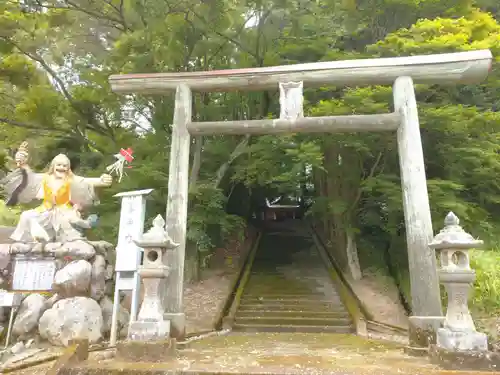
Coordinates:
(140,351)
(416,352)
(77,352)
(177,325)
(149,330)
(423,330)
(462,341)
(465,360)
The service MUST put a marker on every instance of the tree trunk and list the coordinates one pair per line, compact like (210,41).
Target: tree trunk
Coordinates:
(192,270)
(196,164)
(337,228)
(352,257)
(238,150)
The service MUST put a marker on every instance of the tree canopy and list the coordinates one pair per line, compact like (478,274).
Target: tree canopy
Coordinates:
(56,57)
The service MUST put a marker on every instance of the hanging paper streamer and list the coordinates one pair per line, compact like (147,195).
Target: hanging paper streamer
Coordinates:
(125,156)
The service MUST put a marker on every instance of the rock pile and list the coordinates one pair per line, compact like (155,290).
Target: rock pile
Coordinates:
(81,303)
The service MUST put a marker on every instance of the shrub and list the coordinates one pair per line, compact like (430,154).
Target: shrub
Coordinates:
(486,295)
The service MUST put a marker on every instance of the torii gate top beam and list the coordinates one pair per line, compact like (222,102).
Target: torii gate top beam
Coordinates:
(461,67)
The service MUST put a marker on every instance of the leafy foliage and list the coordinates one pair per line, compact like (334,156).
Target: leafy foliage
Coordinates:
(56,57)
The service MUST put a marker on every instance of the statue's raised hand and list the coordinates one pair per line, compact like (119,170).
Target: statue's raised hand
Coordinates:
(21,160)
(22,154)
(106,179)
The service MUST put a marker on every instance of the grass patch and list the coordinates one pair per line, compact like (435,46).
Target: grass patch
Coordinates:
(485,299)
(8,216)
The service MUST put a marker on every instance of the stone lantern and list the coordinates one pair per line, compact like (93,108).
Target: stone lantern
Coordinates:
(453,245)
(150,324)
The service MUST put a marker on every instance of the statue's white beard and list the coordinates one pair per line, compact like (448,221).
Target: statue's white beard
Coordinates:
(60,174)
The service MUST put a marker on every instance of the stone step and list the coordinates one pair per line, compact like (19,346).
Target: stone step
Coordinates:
(244,313)
(292,307)
(289,291)
(279,289)
(292,321)
(288,328)
(292,302)
(281,292)
(278,276)
(289,286)
(291,297)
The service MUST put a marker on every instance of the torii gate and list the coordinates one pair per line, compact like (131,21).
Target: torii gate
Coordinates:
(401,72)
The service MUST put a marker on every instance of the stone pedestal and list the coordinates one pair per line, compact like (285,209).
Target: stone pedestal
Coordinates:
(148,337)
(458,332)
(462,341)
(423,330)
(142,351)
(151,325)
(462,361)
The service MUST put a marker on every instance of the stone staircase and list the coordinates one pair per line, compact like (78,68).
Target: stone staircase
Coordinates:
(290,290)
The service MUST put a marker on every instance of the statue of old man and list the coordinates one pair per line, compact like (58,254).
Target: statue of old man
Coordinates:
(63,195)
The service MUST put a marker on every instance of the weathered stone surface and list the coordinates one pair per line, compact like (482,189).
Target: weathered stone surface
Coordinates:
(50,301)
(77,351)
(462,341)
(136,351)
(20,248)
(110,272)
(126,300)
(149,331)
(72,318)
(79,249)
(4,255)
(17,348)
(53,247)
(37,248)
(465,360)
(73,279)
(107,312)
(29,312)
(98,278)
(109,289)
(101,247)
(423,329)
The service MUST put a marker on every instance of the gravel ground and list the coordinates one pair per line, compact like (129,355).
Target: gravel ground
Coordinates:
(42,368)
(282,353)
(380,295)
(204,300)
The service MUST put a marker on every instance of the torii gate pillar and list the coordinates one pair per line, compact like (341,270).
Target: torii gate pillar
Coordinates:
(176,216)
(427,314)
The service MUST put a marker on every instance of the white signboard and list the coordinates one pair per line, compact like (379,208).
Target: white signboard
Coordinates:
(9,299)
(133,210)
(291,100)
(32,274)
(128,254)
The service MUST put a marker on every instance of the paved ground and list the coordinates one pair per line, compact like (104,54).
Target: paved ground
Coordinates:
(280,353)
